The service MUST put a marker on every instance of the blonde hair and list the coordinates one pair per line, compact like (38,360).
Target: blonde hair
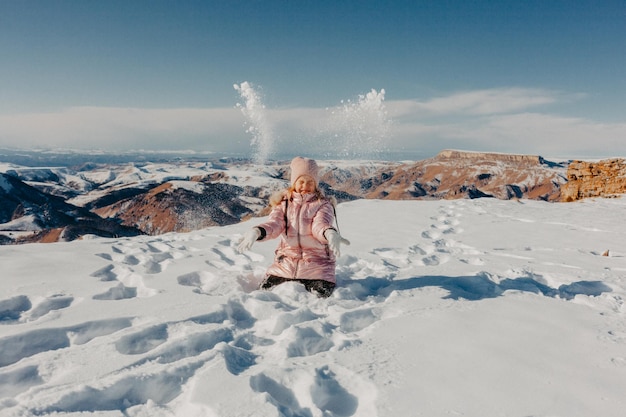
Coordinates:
(287,194)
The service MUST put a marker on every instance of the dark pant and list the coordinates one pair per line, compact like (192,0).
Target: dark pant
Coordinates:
(320,287)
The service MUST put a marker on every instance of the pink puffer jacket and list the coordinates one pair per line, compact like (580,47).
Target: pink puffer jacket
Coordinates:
(303,251)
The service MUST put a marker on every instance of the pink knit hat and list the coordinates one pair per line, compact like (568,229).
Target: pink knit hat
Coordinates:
(304,166)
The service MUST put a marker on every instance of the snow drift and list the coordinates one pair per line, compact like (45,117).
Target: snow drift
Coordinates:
(465,307)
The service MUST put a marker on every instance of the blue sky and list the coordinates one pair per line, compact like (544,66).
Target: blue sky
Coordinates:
(540,77)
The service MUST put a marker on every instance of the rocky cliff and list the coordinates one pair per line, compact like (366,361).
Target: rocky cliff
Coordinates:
(457,174)
(605,178)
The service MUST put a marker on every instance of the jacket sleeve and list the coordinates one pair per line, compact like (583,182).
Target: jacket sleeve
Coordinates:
(275,224)
(323,221)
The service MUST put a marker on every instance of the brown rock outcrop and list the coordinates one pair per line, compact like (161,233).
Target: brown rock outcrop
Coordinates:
(606,178)
(493,156)
(454,174)
(166,208)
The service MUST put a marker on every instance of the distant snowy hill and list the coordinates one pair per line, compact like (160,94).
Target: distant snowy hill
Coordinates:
(30,215)
(157,198)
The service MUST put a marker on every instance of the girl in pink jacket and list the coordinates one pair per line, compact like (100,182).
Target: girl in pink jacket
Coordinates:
(309,244)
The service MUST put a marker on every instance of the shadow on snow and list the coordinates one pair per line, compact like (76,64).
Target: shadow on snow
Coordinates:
(473,288)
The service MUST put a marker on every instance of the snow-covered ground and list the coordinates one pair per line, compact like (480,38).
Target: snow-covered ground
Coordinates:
(444,308)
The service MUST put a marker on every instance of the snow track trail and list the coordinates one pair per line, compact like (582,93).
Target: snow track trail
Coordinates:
(450,299)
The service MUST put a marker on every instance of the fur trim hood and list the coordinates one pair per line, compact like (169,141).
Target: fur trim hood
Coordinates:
(278,196)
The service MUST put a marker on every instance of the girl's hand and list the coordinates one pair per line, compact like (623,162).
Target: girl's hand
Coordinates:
(248,239)
(334,241)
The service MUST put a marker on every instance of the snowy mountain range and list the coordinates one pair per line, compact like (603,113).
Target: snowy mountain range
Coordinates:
(47,204)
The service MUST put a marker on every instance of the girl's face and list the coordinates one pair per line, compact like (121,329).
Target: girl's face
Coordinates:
(305,184)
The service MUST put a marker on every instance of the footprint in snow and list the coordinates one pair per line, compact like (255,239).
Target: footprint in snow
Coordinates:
(106,273)
(419,250)
(325,392)
(168,343)
(205,282)
(431,234)
(17,347)
(19,380)
(473,261)
(433,260)
(307,341)
(392,257)
(11,309)
(187,346)
(142,341)
(330,397)
(130,284)
(289,319)
(126,392)
(154,257)
(20,309)
(357,320)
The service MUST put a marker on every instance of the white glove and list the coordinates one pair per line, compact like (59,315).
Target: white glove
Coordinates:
(334,241)
(248,239)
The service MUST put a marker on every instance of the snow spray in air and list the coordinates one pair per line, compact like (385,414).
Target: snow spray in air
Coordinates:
(361,128)
(257,121)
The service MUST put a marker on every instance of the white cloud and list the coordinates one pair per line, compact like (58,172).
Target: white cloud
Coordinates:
(556,135)
(491,101)
(526,133)
(503,120)
(114,128)
(479,102)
